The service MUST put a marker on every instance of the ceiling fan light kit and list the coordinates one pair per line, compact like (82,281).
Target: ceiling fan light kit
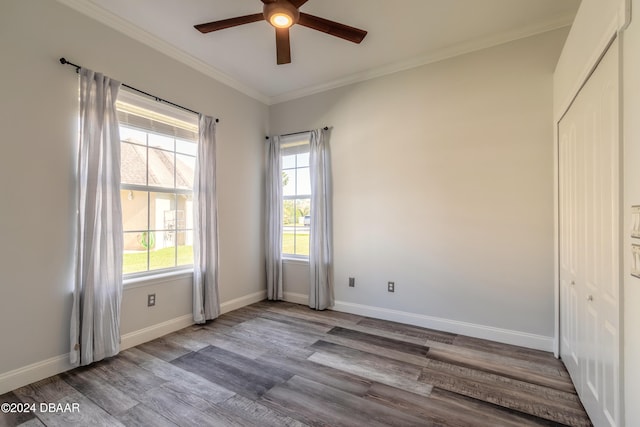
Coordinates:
(282,14)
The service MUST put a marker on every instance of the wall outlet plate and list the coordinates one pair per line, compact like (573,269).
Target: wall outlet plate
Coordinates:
(151,300)
(391,286)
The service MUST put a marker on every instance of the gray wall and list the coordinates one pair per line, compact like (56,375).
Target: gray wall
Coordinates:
(443,183)
(39,113)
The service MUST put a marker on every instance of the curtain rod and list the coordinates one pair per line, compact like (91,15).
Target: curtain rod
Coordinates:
(298,133)
(63,61)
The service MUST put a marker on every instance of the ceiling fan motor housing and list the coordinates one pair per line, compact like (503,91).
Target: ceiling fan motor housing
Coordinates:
(280,7)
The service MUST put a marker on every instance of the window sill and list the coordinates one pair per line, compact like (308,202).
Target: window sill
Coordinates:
(299,261)
(157,278)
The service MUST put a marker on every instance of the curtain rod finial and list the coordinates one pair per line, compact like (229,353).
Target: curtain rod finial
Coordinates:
(64,61)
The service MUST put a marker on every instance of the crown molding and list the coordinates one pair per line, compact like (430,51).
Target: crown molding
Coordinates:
(429,58)
(117,23)
(123,26)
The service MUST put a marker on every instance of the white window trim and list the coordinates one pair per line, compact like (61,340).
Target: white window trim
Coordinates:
(295,259)
(179,121)
(291,145)
(156,277)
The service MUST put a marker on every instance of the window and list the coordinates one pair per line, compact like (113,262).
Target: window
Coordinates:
(158,155)
(296,192)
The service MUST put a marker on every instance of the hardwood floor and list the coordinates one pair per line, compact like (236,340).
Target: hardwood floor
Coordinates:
(281,364)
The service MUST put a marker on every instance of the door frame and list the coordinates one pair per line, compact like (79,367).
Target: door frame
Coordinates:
(621,212)
(556,192)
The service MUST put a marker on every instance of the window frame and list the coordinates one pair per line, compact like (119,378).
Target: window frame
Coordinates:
(159,110)
(293,145)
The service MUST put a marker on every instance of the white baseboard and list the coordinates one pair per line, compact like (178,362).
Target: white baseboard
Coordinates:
(138,337)
(237,303)
(152,332)
(35,372)
(22,376)
(55,365)
(507,336)
(58,364)
(296,298)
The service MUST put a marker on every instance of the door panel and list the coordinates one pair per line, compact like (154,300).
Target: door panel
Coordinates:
(589,233)
(570,182)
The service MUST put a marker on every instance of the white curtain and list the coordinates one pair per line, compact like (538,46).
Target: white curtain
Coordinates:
(95,317)
(273,238)
(206,304)
(321,239)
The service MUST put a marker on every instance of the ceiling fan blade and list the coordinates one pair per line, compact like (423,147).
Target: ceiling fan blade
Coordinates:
(228,23)
(334,28)
(283,46)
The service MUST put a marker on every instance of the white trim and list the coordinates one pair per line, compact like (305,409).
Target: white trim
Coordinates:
(611,34)
(58,364)
(431,57)
(624,15)
(598,51)
(55,365)
(556,242)
(111,20)
(237,303)
(296,298)
(156,279)
(152,332)
(507,336)
(117,23)
(34,372)
(22,376)
(296,261)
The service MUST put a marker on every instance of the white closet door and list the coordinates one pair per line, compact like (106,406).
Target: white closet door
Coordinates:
(589,242)
(571,222)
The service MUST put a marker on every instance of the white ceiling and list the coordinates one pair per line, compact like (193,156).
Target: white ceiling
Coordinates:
(402,34)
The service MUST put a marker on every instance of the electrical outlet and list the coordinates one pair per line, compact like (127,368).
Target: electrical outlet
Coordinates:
(352,282)
(151,300)
(391,286)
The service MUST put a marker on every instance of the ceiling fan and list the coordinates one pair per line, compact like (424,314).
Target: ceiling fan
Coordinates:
(282,14)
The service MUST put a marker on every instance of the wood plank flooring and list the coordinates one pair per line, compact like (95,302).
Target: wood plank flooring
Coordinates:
(281,364)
